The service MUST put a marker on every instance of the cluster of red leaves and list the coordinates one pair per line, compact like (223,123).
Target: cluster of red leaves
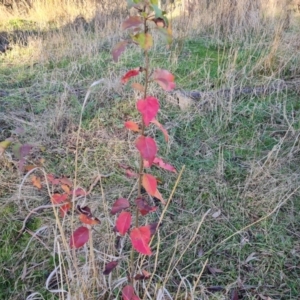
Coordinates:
(81,235)
(140,236)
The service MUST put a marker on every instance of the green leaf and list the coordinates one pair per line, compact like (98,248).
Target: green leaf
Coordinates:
(145,40)
(157,10)
(154,2)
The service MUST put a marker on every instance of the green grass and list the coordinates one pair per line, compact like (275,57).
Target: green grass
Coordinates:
(243,163)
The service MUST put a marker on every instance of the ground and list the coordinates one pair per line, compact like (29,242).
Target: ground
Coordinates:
(231,229)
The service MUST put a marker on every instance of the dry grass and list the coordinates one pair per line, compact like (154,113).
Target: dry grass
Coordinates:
(241,154)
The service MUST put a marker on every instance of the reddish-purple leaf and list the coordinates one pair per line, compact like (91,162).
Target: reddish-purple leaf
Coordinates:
(153,228)
(130,74)
(165,79)
(84,210)
(140,238)
(109,267)
(132,21)
(118,49)
(143,207)
(147,148)
(148,108)
(149,183)
(128,293)
(119,205)
(145,275)
(123,222)
(79,237)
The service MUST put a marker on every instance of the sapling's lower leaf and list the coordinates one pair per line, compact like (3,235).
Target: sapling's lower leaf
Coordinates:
(65,208)
(123,222)
(148,107)
(143,207)
(145,275)
(128,293)
(79,237)
(140,238)
(130,74)
(119,205)
(59,198)
(158,195)
(149,183)
(147,148)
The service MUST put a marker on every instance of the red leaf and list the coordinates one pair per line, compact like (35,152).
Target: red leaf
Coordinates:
(118,49)
(164,131)
(79,237)
(119,205)
(147,148)
(123,222)
(109,267)
(148,108)
(130,74)
(59,198)
(140,238)
(132,126)
(88,219)
(65,208)
(159,162)
(132,21)
(149,183)
(128,293)
(165,79)
(158,195)
(144,207)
